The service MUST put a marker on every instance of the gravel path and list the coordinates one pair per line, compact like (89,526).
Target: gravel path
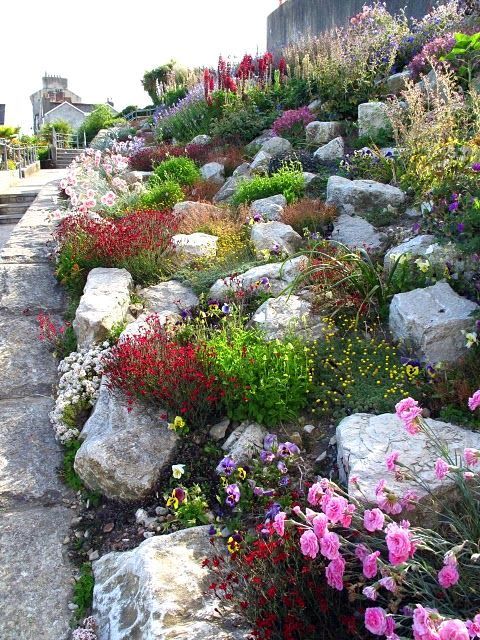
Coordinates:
(35,514)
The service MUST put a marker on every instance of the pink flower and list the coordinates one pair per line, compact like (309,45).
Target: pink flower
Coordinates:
(335,508)
(370,568)
(320,523)
(391,460)
(354,479)
(108,199)
(310,515)
(469,475)
(373,520)
(453,630)
(315,494)
(376,620)
(388,583)
(448,576)
(329,545)
(473,626)
(472,456)
(423,626)
(474,401)
(334,573)
(387,500)
(399,543)
(279,523)
(408,411)
(370,593)
(441,469)
(309,544)
(346,520)
(361,552)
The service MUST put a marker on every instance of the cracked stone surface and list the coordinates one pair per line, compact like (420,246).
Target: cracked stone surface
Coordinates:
(278,317)
(364,440)
(244,442)
(35,574)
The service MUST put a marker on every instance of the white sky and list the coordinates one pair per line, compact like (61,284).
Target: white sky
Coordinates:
(112,43)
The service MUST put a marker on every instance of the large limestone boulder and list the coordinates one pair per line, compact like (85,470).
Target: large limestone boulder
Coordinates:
(253,146)
(103,305)
(424,247)
(372,119)
(272,277)
(278,317)
(169,299)
(227,191)
(430,321)
(333,150)
(160,591)
(397,82)
(213,172)
(270,208)
(184,209)
(123,451)
(358,197)
(201,139)
(261,162)
(276,146)
(276,237)
(194,246)
(355,232)
(322,132)
(243,169)
(244,443)
(364,441)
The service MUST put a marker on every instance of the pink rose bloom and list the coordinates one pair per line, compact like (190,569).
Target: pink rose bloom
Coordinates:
(370,568)
(388,583)
(373,520)
(453,630)
(391,460)
(376,620)
(448,576)
(329,545)
(370,593)
(334,573)
(315,494)
(423,627)
(408,411)
(399,543)
(474,401)
(471,457)
(279,523)
(335,508)
(320,523)
(441,469)
(309,544)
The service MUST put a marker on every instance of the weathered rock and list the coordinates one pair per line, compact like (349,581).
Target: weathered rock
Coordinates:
(131,177)
(276,276)
(253,146)
(104,304)
(372,119)
(169,299)
(424,247)
(333,150)
(270,208)
(276,146)
(243,169)
(359,197)
(123,452)
(201,139)
(397,82)
(356,232)
(431,321)
(365,440)
(276,237)
(315,105)
(160,591)
(244,442)
(228,189)
(308,177)
(214,172)
(278,317)
(261,162)
(189,206)
(322,132)
(219,430)
(193,246)
(30,286)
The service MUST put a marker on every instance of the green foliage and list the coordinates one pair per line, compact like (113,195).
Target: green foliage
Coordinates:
(164,195)
(8,132)
(288,181)
(242,122)
(381,217)
(66,343)
(129,109)
(465,56)
(69,475)
(383,138)
(268,382)
(172,96)
(165,77)
(192,120)
(181,170)
(83,590)
(61,126)
(193,510)
(43,154)
(100,118)
(371,165)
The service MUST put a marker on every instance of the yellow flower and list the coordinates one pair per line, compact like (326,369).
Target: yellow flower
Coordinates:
(232,545)
(241,473)
(173,501)
(423,265)
(178,424)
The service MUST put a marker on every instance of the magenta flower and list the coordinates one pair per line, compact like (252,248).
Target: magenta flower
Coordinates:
(373,520)
(279,523)
(472,456)
(441,469)
(476,166)
(388,583)
(334,573)
(293,118)
(370,593)
(376,620)
(335,508)
(474,401)
(370,568)
(315,494)
(391,460)
(330,545)
(320,523)
(453,630)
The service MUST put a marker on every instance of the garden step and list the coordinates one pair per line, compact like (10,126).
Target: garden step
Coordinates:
(20,197)
(13,218)
(13,208)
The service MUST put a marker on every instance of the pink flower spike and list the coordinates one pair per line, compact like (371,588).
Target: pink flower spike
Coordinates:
(441,469)
(391,460)
(474,401)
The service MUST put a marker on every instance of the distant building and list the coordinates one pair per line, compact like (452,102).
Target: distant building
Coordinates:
(2,114)
(54,101)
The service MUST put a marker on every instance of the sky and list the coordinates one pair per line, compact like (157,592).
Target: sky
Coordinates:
(104,47)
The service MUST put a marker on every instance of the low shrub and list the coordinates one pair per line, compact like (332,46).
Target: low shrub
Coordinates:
(291,124)
(287,181)
(153,367)
(100,118)
(163,195)
(139,242)
(312,215)
(306,159)
(371,164)
(181,170)
(202,191)
(241,123)
(147,158)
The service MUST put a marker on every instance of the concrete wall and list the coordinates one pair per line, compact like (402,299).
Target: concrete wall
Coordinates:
(295,19)
(65,112)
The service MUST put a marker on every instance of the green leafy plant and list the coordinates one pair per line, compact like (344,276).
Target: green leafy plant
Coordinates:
(181,170)
(101,117)
(241,122)
(163,195)
(465,56)
(83,590)
(288,181)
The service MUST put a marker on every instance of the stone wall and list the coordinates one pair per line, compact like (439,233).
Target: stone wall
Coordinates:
(297,18)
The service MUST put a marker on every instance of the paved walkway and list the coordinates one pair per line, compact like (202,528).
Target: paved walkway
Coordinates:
(35,575)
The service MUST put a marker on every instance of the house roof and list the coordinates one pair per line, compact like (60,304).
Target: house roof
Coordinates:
(68,104)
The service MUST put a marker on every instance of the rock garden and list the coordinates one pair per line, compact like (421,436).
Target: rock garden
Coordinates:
(269,371)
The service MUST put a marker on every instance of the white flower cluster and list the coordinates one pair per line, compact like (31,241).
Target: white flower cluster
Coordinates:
(80,378)
(88,632)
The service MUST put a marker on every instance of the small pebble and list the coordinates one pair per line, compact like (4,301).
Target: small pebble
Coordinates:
(321,457)
(161,511)
(332,441)
(66,540)
(72,606)
(148,534)
(108,527)
(308,428)
(93,556)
